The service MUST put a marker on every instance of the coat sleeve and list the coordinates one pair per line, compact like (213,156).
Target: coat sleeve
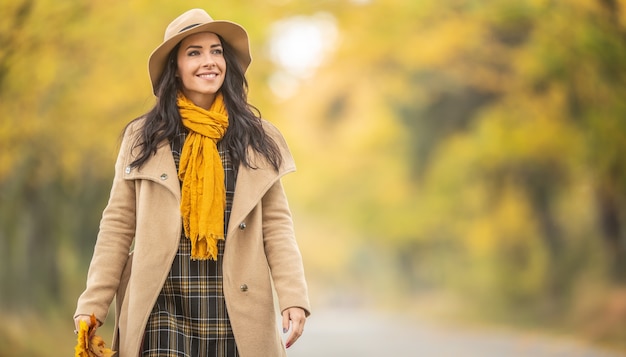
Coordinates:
(117,229)
(282,252)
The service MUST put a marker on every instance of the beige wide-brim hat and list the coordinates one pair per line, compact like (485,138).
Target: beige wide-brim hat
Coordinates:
(189,23)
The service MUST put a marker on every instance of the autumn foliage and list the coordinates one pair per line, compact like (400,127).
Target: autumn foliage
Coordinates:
(89,344)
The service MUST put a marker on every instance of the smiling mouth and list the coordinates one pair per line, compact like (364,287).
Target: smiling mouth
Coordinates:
(207,75)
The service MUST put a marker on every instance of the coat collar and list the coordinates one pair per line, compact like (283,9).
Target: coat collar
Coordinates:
(160,168)
(250,186)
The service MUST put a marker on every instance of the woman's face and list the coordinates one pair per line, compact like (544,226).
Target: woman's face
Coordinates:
(201,67)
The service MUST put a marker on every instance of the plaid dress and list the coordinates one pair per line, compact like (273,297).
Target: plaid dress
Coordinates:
(189,318)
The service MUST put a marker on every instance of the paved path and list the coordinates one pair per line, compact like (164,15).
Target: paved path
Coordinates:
(361,333)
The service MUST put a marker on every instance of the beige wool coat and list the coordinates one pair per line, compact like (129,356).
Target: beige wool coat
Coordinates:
(143,216)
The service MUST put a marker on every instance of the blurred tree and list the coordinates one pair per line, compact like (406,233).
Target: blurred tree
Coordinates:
(440,117)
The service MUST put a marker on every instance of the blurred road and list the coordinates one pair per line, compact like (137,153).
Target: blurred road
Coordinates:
(362,333)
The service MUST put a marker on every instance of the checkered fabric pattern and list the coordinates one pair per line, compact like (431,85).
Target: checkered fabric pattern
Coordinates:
(189,318)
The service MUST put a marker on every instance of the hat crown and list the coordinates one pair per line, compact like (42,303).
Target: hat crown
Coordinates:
(187,20)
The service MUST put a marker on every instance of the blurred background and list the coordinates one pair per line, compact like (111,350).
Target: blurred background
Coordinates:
(461,162)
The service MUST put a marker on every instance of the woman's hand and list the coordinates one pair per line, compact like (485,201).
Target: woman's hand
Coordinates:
(87,320)
(297,317)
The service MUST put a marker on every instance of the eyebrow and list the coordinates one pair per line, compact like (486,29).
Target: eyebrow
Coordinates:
(198,46)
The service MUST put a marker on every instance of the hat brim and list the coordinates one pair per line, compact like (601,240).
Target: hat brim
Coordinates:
(234,34)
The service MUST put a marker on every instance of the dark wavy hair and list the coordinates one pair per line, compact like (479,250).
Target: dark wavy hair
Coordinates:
(245,128)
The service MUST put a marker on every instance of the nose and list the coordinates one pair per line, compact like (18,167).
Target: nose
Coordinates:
(208,61)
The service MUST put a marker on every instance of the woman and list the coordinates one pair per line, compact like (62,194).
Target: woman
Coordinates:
(208,248)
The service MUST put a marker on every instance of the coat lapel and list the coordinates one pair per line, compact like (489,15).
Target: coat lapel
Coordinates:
(160,168)
(252,184)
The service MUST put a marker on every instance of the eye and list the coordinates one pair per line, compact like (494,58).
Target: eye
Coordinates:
(193,53)
(217,51)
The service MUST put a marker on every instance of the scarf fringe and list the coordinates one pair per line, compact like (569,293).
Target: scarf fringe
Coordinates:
(205,248)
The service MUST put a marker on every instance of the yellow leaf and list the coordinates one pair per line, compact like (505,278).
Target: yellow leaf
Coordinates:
(89,344)
(83,341)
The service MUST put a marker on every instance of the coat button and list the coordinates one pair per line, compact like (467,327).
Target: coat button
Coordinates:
(243,287)
(164,177)
(127,169)
(242,226)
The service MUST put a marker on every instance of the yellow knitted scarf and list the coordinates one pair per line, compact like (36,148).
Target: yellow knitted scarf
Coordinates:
(203,197)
